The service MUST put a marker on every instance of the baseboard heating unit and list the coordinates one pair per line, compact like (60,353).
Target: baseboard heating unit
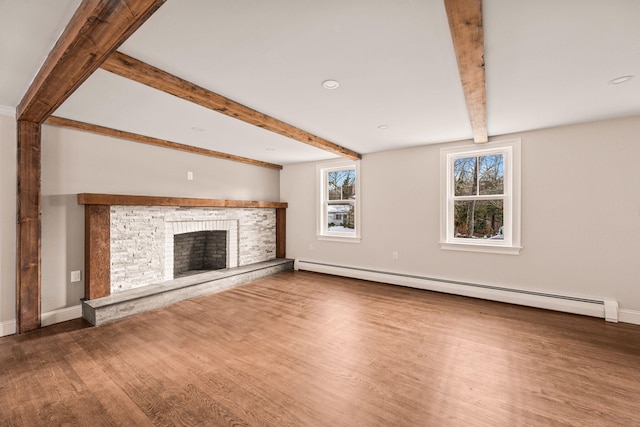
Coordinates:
(607,309)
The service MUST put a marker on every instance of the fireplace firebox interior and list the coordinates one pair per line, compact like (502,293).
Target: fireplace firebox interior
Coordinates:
(198,252)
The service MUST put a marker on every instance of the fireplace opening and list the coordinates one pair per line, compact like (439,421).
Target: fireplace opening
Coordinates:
(198,252)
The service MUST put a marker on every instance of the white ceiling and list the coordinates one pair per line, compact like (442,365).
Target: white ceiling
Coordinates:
(548,63)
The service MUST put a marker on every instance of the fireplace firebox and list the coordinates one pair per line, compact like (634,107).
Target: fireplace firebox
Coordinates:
(198,252)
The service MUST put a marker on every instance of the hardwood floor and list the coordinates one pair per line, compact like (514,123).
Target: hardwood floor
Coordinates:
(304,349)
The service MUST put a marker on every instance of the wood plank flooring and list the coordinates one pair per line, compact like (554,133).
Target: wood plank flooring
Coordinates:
(305,349)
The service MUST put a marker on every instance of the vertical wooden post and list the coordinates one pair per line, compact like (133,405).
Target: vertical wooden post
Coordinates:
(97,254)
(28,231)
(281,233)
(94,32)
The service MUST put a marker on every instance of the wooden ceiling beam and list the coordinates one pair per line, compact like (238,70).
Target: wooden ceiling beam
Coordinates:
(133,69)
(95,31)
(465,23)
(101,130)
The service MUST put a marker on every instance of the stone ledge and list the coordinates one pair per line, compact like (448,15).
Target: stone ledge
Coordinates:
(135,301)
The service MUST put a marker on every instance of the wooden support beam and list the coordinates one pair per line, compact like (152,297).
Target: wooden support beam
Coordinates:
(281,233)
(101,130)
(95,31)
(28,233)
(97,251)
(465,23)
(133,69)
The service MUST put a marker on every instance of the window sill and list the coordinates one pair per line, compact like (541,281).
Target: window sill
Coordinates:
(477,247)
(344,239)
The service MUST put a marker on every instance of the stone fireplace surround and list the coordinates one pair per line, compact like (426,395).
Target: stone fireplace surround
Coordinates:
(142,239)
(126,236)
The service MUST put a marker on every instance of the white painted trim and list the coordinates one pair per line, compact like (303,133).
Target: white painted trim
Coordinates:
(321,214)
(486,248)
(583,307)
(611,312)
(343,239)
(7,111)
(61,315)
(629,316)
(7,328)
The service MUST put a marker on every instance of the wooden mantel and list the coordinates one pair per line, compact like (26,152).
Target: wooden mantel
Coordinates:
(97,229)
(120,200)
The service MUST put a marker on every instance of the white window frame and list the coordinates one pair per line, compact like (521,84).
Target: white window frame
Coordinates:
(322,170)
(511,245)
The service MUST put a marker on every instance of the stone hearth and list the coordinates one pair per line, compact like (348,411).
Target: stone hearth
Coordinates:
(135,301)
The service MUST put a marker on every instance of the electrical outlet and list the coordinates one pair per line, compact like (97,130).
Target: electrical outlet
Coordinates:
(190,176)
(395,255)
(75,276)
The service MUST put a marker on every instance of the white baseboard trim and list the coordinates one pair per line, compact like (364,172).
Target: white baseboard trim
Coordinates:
(630,316)
(47,319)
(7,328)
(61,315)
(564,303)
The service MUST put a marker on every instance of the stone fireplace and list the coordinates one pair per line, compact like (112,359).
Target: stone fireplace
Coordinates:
(142,242)
(129,240)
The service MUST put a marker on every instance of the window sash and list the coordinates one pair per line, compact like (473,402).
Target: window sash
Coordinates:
(325,202)
(511,207)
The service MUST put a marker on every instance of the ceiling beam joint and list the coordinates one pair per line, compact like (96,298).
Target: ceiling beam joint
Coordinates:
(95,31)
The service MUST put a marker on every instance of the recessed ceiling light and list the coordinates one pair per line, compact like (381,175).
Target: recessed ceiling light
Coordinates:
(197,129)
(618,80)
(383,127)
(330,84)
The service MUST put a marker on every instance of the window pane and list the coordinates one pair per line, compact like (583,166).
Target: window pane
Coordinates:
(464,176)
(479,219)
(341,184)
(491,174)
(341,217)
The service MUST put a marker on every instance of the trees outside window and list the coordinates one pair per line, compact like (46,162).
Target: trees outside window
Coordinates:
(479,196)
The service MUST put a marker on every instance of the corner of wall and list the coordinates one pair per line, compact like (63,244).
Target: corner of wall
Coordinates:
(7,111)
(7,220)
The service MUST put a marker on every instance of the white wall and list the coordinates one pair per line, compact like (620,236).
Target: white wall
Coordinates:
(580,215)
(77,162)
(7,222)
